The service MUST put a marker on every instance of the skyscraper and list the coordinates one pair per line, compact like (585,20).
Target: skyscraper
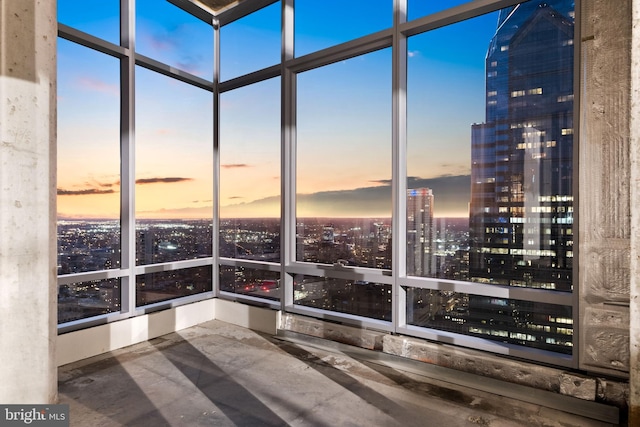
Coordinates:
(521,211)
(420,232)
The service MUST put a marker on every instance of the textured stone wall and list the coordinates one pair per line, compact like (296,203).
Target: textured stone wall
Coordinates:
(634,371)
(604,187)
(586,387)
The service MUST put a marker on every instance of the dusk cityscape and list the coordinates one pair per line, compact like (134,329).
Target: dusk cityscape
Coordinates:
(504,218)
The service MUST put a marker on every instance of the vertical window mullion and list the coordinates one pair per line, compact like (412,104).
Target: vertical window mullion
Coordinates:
(216,158)
(127,144)
(288,214)
(399,164)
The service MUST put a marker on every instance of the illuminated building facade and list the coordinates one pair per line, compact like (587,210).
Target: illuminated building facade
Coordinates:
(521,198)
(419,231)
(521,211)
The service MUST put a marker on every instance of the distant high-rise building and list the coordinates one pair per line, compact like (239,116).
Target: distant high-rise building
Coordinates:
(521,211)
(420,232)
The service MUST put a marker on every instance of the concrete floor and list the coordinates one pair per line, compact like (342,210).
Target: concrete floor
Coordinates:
(217,374)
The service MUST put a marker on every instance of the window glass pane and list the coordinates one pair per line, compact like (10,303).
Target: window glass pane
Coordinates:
(166,285)
(364,242)
(168,34)
(355,297)
(250,43)
(419,8)
(344,161)
(250,281)
(88,299)
(319,25)
(166,240)
(88,159)
(250,172)
(531,324)
(490,142)
(174,169)
(100,18)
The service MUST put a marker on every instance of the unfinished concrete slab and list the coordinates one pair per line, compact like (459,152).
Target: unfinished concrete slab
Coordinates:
(224,375)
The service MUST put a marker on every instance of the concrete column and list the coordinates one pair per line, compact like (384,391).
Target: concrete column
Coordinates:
(28,302)
(634,330)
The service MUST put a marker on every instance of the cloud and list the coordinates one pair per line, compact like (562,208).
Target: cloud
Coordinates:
(381,181)
(95,183)
(93,84)
(412,53)
(451,198)
(85,192)
(160,43)
(167,180)
(191,65)
(235,197)
(235,166)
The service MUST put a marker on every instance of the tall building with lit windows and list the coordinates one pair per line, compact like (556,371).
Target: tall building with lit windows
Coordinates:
(420,232)
(521,211)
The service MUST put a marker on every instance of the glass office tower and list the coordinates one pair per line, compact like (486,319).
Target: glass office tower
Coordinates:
(521,210)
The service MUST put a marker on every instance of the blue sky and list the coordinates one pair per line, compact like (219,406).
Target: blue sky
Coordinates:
(344,110)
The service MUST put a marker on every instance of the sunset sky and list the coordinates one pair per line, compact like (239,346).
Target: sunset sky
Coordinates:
(344,115)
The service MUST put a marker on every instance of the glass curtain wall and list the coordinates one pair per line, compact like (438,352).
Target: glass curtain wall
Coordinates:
(135,180)
(490,173)
(408,169)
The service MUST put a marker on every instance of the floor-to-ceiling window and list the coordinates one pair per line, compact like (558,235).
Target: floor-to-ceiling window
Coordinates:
(490,176)
(399,165)
(135,159)
(250,157)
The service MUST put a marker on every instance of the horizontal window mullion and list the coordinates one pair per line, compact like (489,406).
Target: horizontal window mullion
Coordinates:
(251,78)
(497,291)
(169,71)
(453,15)
(258,265)
(93,42)
(346,273)
(172,303)
(175,265)
(362,322)
(341,52)
(88,276)
(251,300)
